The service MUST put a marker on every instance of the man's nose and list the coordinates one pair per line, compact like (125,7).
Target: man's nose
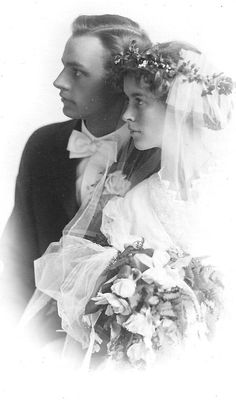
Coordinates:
(128,115)
(61,81)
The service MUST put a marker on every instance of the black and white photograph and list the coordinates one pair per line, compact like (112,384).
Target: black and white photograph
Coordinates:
(117,267)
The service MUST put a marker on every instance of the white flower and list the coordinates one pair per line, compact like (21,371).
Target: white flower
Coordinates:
(168,333)
(159,258)
(181,262)
(162,273)
(109,310)
(139,323)
(137,352)
(119,305)
(124,287)
(166,310)
(160,276)
(141,352)
(143,64)
(144,259)
(153,300)
(117,184)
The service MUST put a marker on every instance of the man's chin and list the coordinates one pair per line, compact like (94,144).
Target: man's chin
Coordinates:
(71,114)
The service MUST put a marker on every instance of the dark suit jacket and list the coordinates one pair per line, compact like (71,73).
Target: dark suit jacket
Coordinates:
(44,203)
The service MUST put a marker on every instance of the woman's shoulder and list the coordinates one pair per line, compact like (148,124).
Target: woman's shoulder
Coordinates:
(136,196)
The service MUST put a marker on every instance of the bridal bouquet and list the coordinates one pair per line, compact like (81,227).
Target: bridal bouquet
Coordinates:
(151,301)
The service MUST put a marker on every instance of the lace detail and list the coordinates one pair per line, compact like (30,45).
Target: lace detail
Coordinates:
(194,224)
(151,210)
(176,216)
(127,219)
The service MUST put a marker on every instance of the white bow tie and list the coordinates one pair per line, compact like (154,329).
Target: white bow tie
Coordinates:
(81,145)
(97,156)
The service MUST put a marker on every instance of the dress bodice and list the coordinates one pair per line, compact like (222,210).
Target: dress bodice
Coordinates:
(150,211)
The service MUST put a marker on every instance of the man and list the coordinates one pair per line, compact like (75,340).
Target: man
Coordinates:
(51,185)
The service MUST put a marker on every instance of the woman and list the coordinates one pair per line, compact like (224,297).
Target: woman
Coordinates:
(174,95)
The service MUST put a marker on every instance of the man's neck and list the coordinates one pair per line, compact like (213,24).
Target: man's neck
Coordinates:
(107,120)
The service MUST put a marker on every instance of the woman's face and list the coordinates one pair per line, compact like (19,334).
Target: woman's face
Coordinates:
(144,114)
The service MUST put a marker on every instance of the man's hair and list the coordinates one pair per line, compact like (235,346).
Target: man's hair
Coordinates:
(115,33)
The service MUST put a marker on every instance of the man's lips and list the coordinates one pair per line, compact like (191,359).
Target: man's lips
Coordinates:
(64,98)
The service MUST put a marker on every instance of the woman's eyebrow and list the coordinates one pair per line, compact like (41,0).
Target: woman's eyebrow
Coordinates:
(138,94)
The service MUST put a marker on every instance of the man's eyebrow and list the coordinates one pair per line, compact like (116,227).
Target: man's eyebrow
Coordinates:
(73,64)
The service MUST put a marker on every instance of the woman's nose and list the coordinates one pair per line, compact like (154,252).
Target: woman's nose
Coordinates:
(128,115)
(61,82)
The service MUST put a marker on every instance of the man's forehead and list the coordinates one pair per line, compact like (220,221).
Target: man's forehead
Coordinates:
(86,51)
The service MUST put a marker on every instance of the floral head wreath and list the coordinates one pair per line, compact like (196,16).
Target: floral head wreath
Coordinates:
(161,64)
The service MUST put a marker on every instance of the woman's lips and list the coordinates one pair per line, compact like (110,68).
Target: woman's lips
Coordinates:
(134,132)
(133,129)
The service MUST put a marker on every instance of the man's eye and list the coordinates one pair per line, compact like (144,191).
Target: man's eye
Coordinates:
(76,72)
(139,102)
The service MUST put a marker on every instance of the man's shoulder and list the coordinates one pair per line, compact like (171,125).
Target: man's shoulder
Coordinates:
(48,144)
(55,134)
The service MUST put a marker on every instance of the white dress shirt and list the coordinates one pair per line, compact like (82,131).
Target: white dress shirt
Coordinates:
(97,153)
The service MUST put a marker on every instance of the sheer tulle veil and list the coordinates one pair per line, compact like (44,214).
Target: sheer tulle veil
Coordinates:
(194,138)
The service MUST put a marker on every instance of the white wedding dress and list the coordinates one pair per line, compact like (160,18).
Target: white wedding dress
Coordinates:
(70,270)
(148,211)
(152,211)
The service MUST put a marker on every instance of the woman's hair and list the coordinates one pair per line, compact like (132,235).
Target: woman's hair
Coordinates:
(115,33)
(154,66)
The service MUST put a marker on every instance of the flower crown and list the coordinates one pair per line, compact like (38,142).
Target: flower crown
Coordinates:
(161,63)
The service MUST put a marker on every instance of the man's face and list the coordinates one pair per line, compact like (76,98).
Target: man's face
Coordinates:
(82,80)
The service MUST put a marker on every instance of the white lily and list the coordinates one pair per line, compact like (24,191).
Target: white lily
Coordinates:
(124,287)
(119,305)
(139,323)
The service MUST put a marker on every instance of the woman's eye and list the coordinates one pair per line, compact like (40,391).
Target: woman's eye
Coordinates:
(78,73)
